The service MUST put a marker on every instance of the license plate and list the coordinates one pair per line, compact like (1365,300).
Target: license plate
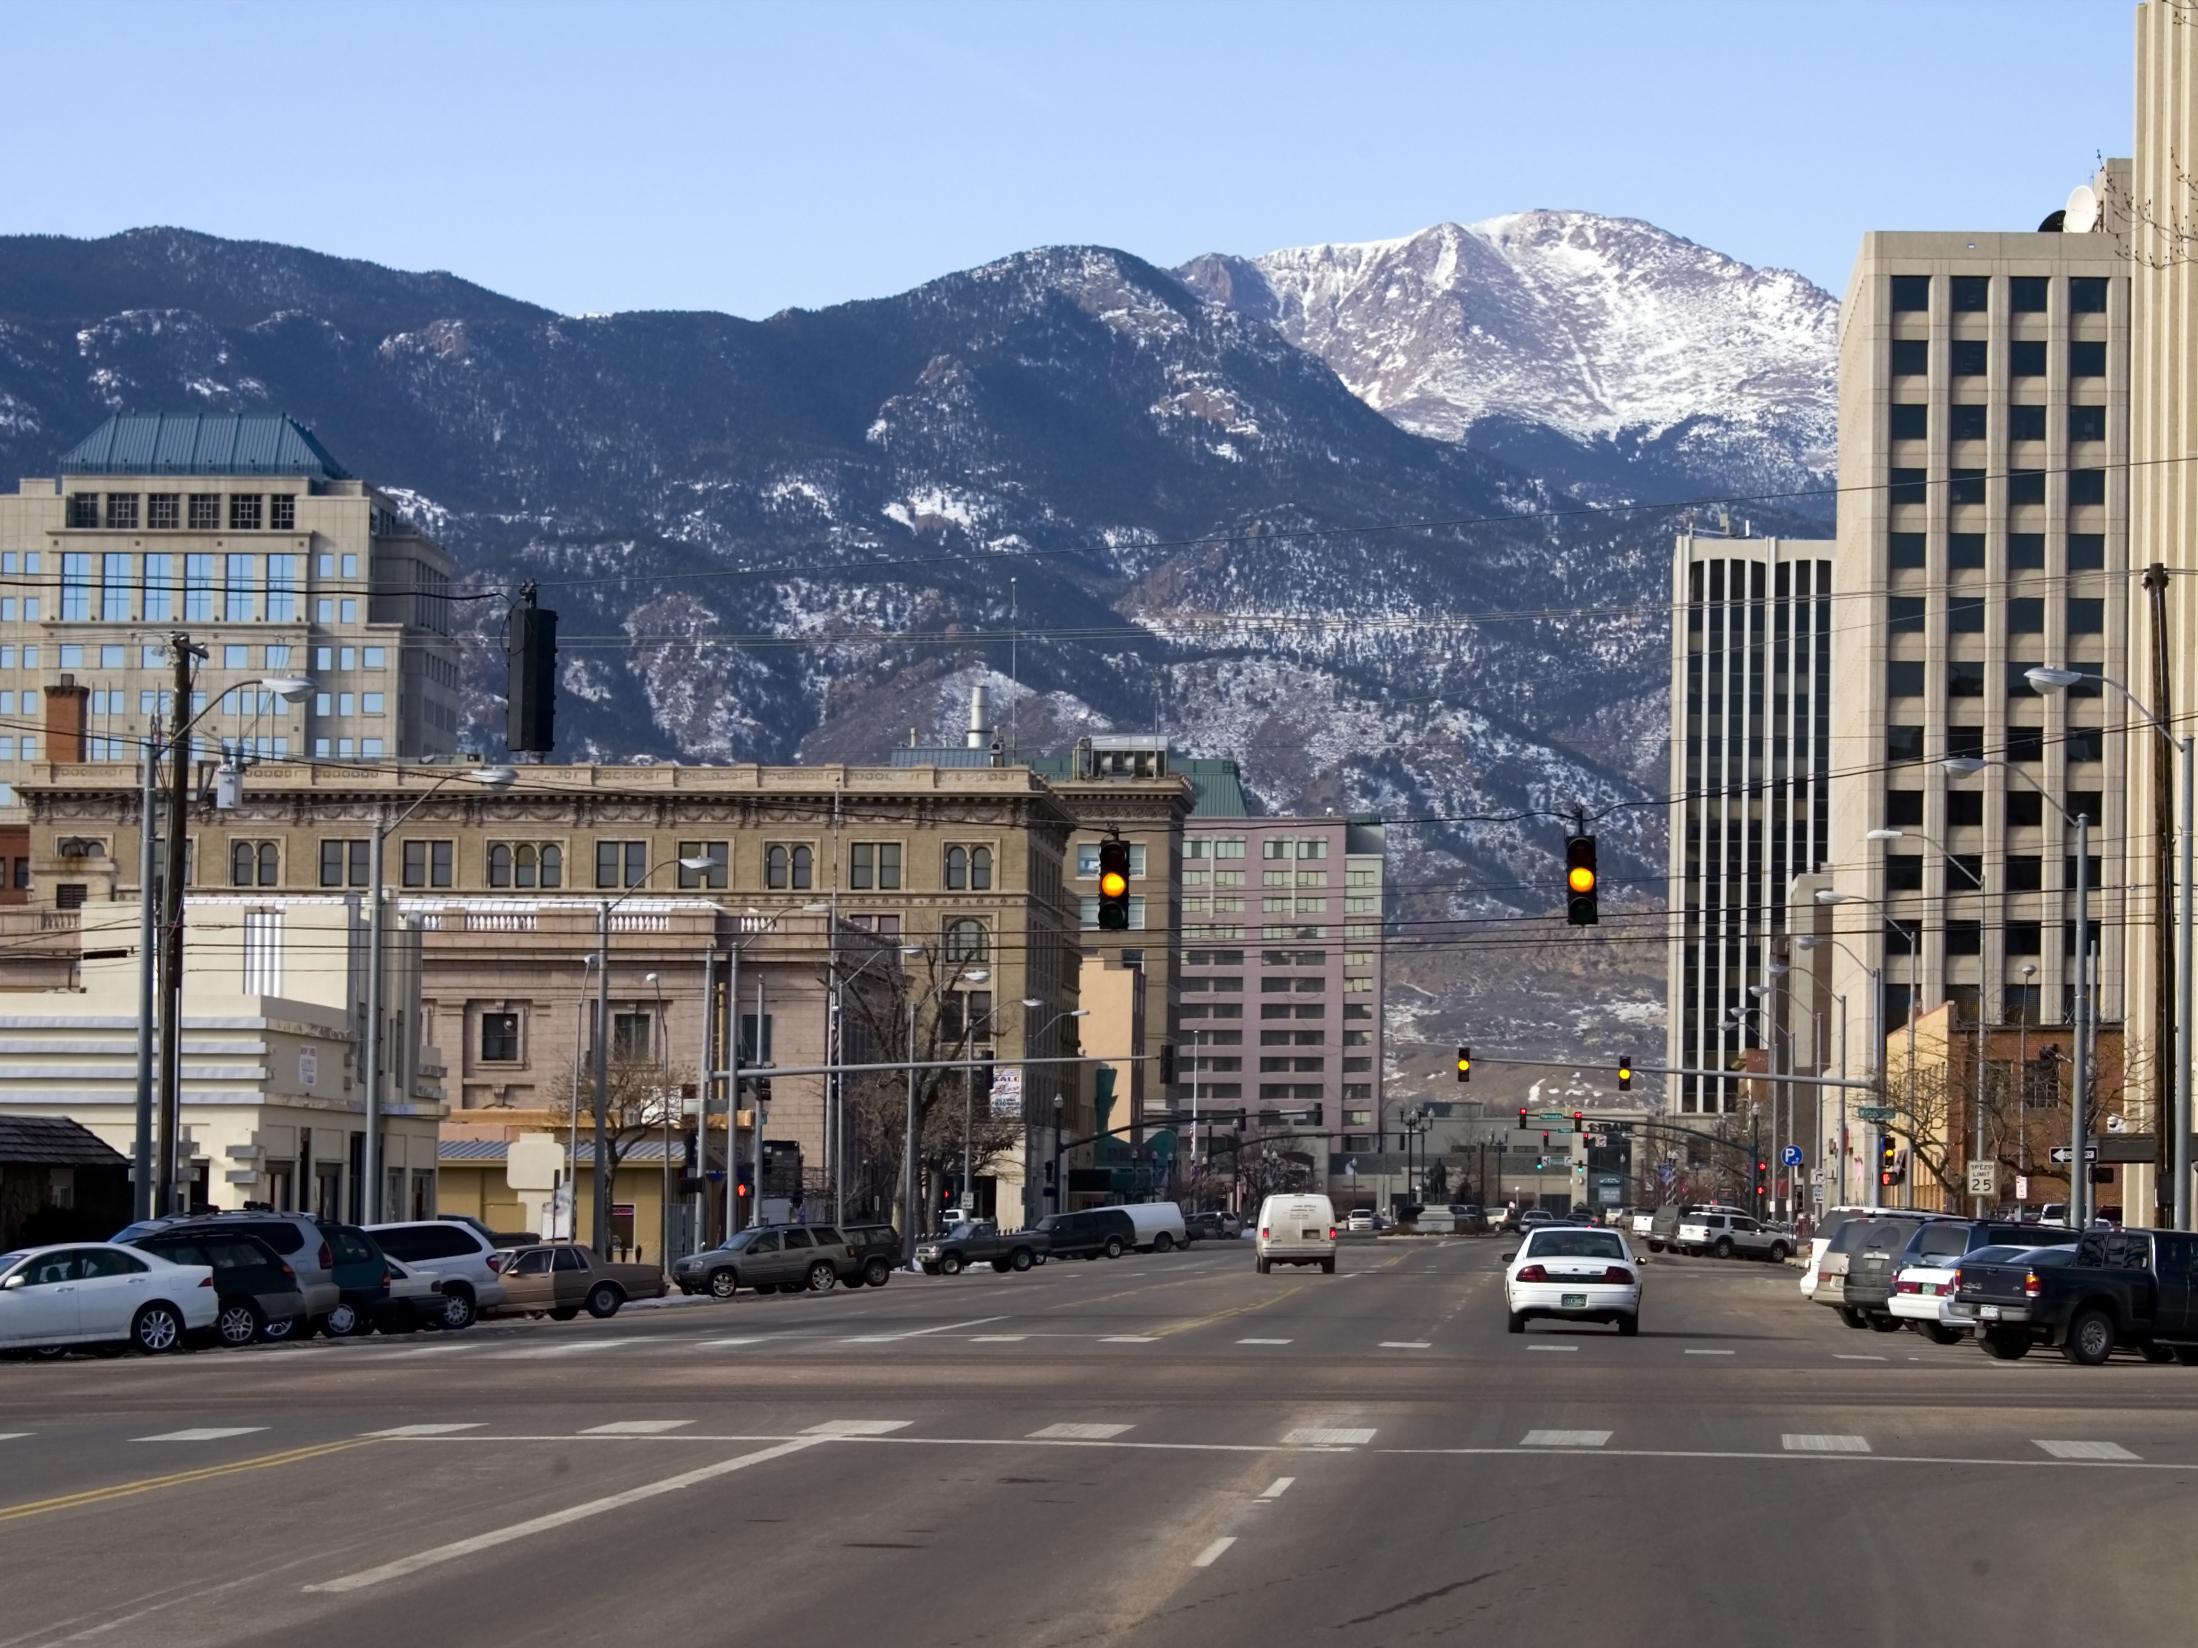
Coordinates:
(1310,1235)
(1572,1301)
(1988,1313)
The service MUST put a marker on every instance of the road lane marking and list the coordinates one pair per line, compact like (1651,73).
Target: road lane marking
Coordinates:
(1128,1339)
(1564,1439)
(408,1355)
(1406,1344)
(1212,1553)
(404,1566)
(1709,1353)
(1329,1436)
(726,1344)
(997,1338)
(1278,1487)
(1078,1433)
(204,1433)
(858,1427)
(1852,1356)
(124,1490)
(2087,1450)
(918,1333)
(579,1347)
(1263,1341)
(2087,1464)
(637,1427)
(1794,1442)
(400,1431)
(13,1436)
(1553,1347)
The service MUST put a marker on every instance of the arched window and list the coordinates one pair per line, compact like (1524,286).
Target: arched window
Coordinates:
(499,865)
(243,861)
(957,868)
(804,861)
(524,862)
(980,869)
(965,941)
(267,864)
(774,868)
(553,866)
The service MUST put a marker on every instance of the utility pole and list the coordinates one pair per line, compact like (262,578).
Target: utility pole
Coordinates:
(371,1155)
(148,944)
(732,1088)
(2079,1170)
(908,1147)
(762,1053)
(706,1074)
(602,1221)
(171,947)
(2167,1193)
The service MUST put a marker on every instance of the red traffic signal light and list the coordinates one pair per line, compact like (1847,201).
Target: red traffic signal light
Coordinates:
(1545,1141)
(1522,1118)
(1581,881)
(1579,1122)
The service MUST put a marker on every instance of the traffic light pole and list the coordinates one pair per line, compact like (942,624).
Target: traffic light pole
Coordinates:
(1865,1082)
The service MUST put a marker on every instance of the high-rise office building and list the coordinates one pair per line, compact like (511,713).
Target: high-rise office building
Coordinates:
(1983,520)
(1751,723)
(240,530)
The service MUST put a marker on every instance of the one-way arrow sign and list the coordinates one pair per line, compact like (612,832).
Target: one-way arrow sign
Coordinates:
(2060,1153)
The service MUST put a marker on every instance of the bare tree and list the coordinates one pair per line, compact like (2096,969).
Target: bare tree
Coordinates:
(645,1095)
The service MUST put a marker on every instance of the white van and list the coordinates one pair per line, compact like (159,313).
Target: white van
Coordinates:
(1297,1230)
(1159,1226)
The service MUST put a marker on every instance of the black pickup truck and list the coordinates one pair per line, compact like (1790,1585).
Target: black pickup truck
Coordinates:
(981,1242)
(2115,1289)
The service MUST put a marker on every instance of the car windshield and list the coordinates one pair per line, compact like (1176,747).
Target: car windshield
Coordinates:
(1986,1256)
(1575,1244)
(966,1228)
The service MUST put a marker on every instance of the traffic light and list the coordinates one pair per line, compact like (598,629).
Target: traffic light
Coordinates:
(1114,885)
(1465,1065)
(530,685)
(1545,1141)
(1762,1179)
(1580,880)
(1167,1064)
(744,1177)
(1579,1122)
(1888,1160)
(1522,1118)
(1625,1073)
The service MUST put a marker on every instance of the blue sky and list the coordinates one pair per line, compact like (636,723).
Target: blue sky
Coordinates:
(752,157)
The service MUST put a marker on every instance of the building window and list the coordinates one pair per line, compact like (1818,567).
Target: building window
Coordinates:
(428,863)
(631,1037)
(198,588)
(1911,294)
(1911,421)
(2086,551)
(1965,678)
(205,512)
(69,895)
(621,863)
(1965,550)
(1903,743)
(874,864)
(2087,486)
(788,867)
(2026,616)
(1964,807)
(965,941)
(1087,857)
(1905,484)
(244,511)
(1904,678)
(282,512)
(83,509)
(1904,872)
(343,863)
(1968,422)
(2087,295)
(499,1038)
(2026,423)
(122,511)
(1965,486)
(969,867)
(2086,360)
(1907,552)
(1965,617)
(1903,807)
(2025,873)
(252,864)
(1964,938)
(2026,294)
(1904,615)
(713,877)
(2026,358)
(2026,486)
(163,511)
(282,588)
(2087,423)
(1970,294)
(2026,551)
(1968,358)
(2086,616)
(2084,745)
(1911,357)
(2026,743)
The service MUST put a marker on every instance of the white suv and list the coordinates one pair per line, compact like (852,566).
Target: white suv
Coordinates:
(467,1262)
(1732,1235)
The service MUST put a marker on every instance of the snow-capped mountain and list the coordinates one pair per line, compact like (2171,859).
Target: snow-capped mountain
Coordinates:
(1667,369)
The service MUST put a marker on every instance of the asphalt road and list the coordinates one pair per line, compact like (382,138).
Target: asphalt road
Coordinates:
(1168,1450)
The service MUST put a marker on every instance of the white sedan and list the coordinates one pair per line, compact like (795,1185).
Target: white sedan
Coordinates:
(96,1293)
(1362,1218)
(1923,1293)
(1575,1273)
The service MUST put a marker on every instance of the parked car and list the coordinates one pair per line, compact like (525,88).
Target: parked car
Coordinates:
(1664,1225)
(1826,1230)
(980,1242)
(1574,1273)
(363,1282)
(298,1239)
(412,1300)
(1087,1233)
(564,1278)
(1214,1225)
(767,1258)
(1469,1218)
(2113,1289)
(1360,1219)
(874,1252)
(258,1297)
(1733,1236)
(463,1252)
(1924,1271)
(1159,1225)
(98,1293)
(1870,1248)
(1296,1230)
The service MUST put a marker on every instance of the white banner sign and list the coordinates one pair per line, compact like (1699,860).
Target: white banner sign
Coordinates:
(1007,1093)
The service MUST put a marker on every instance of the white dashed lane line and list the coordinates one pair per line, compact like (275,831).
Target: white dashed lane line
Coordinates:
(204,1433)
(1564,1439)
(2087,1450)
(1793,1442)
(1212,1553)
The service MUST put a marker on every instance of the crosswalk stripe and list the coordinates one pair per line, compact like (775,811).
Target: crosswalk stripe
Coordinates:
(1406,1344)
(1795,1442)
(1564,1439)
(2087,1450)
(1212,1553)
(1263,1341)
(1078,1433)
(1709,1353)
(1852,1356)
(1128,1339)
(579,1347)
(427,1430)
(1553,1347)
(204,1433)
(998,1338)
(637,1427)
(1328,1436)
(858,1427)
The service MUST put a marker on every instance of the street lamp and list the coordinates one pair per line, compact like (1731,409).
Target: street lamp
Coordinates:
(164,941)
(1031,1045)
(1911,932)
(489,778)
(1962,766)
(1809,941)
(601,1231)
(2048,679)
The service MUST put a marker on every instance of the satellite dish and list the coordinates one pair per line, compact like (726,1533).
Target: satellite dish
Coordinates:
(2081,215)
(2050,224)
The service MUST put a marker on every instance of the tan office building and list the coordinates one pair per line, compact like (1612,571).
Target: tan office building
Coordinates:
(242,531)
(1984,519)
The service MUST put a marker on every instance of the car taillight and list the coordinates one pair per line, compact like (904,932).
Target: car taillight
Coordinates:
(1946,1290)
(1620,1275)
(286,1270)
(1264,1233)
(387,1278)
(496,1263)
(206,1280)
(328,1257)
(1906,1286)
(1534,1273)
(1331,1233)
(2030,1284)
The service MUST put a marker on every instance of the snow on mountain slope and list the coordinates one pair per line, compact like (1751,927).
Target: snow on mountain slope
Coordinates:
(1676,363)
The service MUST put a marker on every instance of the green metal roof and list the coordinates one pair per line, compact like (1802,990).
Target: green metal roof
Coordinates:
(201,443)
(1217,786)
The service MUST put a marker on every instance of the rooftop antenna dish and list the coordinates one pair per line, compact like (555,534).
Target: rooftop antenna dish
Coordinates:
(2081,215)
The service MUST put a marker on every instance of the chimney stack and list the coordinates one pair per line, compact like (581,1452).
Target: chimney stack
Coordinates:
(980,728)
(65,715)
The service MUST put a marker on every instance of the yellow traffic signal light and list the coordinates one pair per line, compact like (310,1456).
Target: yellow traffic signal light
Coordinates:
(1582,878)
(1625,1074)
(1465,1064)
(1580,886)
(1114,885)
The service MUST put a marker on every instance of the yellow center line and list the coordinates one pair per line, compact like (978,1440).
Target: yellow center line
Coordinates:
(123,1490)
(1223,1315)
